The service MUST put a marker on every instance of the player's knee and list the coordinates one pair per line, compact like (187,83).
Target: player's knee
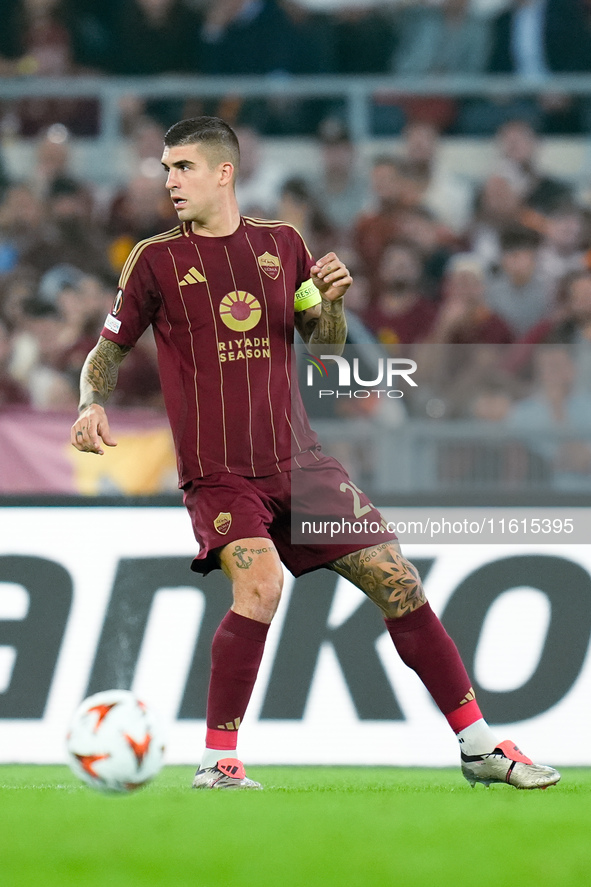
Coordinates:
(268,591)
(258,599)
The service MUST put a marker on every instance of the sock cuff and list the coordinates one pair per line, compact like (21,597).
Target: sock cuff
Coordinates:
(223,740)
(244,627)
(464,716)
(411,621)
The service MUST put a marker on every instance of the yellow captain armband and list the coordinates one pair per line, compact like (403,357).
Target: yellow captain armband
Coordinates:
(306,296)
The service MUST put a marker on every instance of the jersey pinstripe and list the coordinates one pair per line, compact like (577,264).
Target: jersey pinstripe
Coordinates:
(222,310)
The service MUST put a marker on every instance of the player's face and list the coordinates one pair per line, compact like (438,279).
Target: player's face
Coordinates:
(194,185)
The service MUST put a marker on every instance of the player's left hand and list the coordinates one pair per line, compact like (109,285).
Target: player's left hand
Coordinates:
(331,277)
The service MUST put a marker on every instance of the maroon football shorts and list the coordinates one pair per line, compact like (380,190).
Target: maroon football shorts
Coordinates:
(313,515)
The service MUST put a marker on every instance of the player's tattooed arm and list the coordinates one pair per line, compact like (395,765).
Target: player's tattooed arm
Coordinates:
(97,382)
(323,327)
(100,372)
(327,331)
(385,576)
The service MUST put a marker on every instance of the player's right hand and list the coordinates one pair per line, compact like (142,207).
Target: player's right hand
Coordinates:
(91,430)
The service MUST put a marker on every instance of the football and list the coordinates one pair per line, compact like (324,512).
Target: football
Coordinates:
(115,742)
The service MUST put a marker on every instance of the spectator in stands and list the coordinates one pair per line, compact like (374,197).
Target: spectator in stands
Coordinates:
(518,147)
(564,246)
(299,208)
(450,380)
(36,38)
(464,317)
(69,234)
(234,32)
(52,158)
(484,394)
(155,37)
(498,207)
(364,34)
(556,405)
(340,185)
(11,391)
(447,195)
(443,38)
(293,42)
(570,323)
(145,142)
(82,301)
(89,27)
(492,403)
(53,323)
(381,223)
(259,180)
(38,350)
(518,291)
(400,313)
(16,289)
(140,210)
(478,383)
(419,227)
(413,184)
(93,32)
(22,220)
(38,42)
(534,39)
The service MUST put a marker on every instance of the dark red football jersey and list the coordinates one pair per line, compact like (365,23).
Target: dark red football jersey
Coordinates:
(222,309)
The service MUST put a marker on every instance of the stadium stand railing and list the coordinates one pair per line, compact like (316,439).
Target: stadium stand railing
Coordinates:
(356,92)
(427,456)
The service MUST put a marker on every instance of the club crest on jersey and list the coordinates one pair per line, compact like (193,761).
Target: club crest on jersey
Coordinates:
(117,304)
(270,265)
(223,522)
(240,311)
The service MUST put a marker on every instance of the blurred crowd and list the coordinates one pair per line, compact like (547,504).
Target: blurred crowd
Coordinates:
(530,38)
(485,281)
(437,259)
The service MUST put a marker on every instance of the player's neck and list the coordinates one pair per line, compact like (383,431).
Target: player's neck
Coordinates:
(218,224)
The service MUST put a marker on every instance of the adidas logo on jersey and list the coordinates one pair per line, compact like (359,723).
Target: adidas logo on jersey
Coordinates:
(192,276)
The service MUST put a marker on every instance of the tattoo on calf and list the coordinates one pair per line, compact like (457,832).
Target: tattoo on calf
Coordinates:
(385,576)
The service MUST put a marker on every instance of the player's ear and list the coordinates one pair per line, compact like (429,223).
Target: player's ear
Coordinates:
(226,172)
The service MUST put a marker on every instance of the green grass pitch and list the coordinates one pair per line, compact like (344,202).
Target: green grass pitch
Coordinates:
(311,827)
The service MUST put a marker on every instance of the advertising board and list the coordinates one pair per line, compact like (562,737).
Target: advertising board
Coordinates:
(93,598)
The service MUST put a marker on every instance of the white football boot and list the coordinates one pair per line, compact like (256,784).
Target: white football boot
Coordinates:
(227,773)
(509,765)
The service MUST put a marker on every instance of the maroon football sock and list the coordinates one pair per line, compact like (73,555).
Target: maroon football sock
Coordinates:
(424,645)
(236,654)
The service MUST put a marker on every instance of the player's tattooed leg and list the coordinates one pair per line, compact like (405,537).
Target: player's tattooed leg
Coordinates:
(243,556)
(385,576)
(254,568)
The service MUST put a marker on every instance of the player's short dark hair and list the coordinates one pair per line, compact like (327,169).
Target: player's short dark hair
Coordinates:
(212,133)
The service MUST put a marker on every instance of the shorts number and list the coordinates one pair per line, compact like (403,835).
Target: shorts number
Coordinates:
(358,509)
